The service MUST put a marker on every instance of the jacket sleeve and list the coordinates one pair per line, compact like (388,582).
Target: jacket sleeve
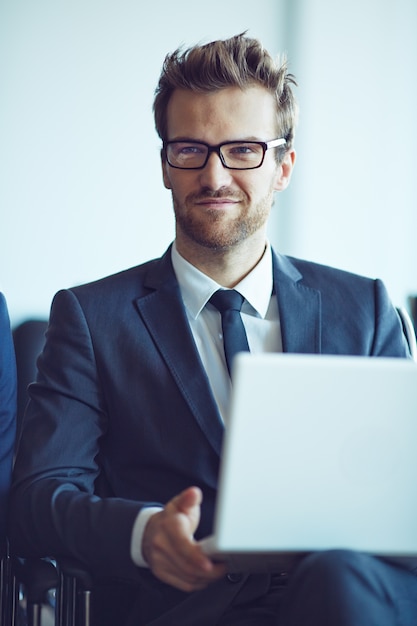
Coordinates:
(7,410)
(54,510)
(389,338)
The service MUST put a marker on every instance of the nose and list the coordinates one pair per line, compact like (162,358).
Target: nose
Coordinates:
(214,175)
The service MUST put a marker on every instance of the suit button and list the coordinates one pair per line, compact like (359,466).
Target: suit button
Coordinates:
(235,577)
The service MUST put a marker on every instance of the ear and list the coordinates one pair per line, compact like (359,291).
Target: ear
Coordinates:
(165,175)
(284,171)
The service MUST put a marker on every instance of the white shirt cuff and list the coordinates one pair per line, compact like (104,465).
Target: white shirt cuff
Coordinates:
(137,534)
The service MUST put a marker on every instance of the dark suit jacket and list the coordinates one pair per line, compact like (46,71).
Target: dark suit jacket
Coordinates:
(7,411)
(122,408)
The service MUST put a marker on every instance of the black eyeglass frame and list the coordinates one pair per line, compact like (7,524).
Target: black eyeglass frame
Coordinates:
(265,145)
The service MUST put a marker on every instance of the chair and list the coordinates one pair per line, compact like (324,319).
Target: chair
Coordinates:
(74,594)
(34,577)
(28,339)
(82,601)
(5,585)
(37,577)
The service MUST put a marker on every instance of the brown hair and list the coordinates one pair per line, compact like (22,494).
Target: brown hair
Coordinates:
(236,62)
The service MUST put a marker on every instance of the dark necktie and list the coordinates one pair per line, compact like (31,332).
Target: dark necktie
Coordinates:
(229,302)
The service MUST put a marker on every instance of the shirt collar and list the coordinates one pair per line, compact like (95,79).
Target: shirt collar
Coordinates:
(197,288)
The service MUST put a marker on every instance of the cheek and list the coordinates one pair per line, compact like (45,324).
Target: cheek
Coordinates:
(181,184)
(257,188)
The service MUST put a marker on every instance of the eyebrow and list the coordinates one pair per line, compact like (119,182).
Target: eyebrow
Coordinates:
(193,140)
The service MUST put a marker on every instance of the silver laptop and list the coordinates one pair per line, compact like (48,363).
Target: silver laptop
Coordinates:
(320,452)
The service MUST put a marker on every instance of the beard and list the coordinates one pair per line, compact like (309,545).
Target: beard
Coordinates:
(215,229)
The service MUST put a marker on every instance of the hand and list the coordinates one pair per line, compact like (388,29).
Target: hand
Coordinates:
(169,547)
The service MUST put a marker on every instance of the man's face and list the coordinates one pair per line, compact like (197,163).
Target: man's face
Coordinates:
(216,207)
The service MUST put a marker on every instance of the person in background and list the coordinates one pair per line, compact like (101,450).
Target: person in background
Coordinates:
(8,391)
(119,457)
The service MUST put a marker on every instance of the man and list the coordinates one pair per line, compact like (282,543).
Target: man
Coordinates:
(118,464)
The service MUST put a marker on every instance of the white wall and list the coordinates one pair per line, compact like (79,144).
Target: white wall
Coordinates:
(80,187)
(354,197)
(81,193)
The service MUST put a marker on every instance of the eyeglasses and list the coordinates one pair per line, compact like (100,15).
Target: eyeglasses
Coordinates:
(234,155)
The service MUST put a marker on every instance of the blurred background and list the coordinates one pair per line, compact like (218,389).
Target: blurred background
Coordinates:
(81,192)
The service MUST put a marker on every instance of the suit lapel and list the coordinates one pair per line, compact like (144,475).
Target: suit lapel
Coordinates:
(163,313)
(299,309)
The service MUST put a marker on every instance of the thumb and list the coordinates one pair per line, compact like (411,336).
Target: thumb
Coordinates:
(188,503)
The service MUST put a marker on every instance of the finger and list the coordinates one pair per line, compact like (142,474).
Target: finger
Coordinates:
(190,497)
(179,560)
(187,503)
(188,578)
(169,546)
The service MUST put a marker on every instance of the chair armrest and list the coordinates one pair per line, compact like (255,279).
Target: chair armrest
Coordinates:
(37,576)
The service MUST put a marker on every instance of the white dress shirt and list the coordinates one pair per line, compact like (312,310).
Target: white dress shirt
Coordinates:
(261,320)
(259,314)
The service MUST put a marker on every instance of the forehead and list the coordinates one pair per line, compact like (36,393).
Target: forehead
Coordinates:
(226,114)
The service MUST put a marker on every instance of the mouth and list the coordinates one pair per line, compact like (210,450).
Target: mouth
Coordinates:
(217,203)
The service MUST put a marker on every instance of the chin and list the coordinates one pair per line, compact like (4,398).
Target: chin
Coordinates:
(221,241)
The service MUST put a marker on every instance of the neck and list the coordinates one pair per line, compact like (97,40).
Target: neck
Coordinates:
(226,266)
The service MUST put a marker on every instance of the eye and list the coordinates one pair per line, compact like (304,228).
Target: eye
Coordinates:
(243,148)
(245,151)
(188,149)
